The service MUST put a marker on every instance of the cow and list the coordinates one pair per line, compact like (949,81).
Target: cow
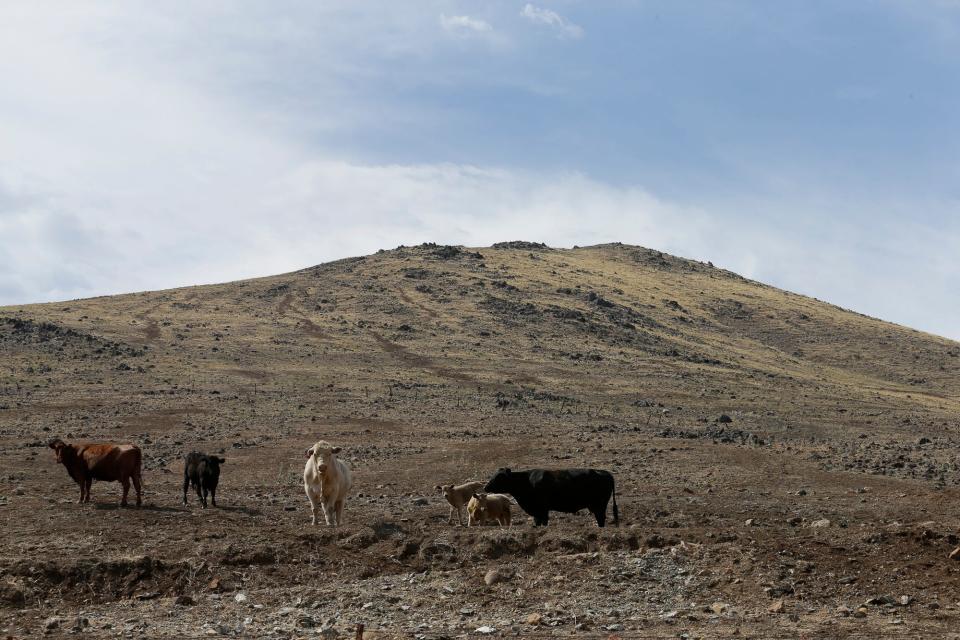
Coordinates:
(540,491)
(101,461)
(458,496)
(327,481)
(484,507)
(203,472)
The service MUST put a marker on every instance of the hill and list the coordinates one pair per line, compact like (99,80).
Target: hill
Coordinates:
(776,457)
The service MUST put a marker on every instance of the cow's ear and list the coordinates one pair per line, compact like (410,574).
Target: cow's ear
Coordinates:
(309,452)
(336,450)
(507,471)
(222,460)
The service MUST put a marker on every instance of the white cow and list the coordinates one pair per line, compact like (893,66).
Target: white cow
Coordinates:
(327,482)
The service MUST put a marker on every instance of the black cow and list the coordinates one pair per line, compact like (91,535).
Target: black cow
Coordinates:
(540,491)
(203,472)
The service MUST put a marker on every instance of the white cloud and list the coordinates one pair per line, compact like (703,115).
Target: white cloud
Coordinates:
(464,24)
(552,19)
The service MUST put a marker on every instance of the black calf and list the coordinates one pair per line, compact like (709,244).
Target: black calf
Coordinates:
(203,472)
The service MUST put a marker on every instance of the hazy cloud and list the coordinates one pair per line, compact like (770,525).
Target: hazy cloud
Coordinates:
(563,27)
(461,24)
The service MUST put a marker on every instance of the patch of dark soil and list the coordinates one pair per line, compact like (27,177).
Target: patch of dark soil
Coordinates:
(499,543)
(51,337)
(717,432)
(250,556)
(102,580)
(522,244)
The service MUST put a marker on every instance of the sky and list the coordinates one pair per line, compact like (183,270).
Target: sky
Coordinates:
(812,145)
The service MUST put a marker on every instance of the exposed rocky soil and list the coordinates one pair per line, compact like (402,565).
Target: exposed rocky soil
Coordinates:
(784,467)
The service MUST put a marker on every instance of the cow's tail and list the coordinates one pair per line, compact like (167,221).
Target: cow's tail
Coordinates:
(616,512)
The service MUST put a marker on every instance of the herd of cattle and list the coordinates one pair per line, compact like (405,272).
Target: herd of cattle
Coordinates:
(327,482)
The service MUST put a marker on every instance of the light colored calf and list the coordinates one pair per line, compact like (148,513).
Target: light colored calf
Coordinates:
(488,506)
(458,496)
(327,481)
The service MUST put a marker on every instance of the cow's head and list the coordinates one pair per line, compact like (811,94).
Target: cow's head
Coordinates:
(322,449)
(61,450)
(445,489)
(215,462)
(480,497)
(501,482)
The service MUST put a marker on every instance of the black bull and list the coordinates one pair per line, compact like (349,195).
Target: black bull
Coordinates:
(540,491)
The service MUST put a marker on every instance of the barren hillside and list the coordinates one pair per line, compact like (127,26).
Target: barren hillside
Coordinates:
(780,461)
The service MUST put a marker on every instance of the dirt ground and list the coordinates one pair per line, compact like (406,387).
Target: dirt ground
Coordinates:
(784,468)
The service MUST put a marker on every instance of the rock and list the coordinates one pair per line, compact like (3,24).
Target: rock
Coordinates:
(905,600)
(214,585)
(19,491)
(184,601)
(861,612)
(308,622)
(724,419)
(485,630)
(240,597)
(534,619)
(820,524)
(847,580)
(52,623)
(670,615)
(614,627)
(842,611)
(718,607)
(420,502)
(776,607)
(494,576)
(751,522)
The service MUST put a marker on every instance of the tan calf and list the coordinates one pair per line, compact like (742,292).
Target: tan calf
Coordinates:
(458,496)
(485,507)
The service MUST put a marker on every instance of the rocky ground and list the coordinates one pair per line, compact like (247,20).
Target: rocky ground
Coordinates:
(784,467)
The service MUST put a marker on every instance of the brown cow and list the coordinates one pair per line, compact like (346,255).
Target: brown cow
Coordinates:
(101,461)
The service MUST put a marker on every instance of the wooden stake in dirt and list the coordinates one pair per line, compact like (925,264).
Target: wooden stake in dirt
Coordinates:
(359,631)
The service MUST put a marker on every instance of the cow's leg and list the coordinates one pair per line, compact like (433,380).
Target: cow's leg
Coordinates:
(601,516)
(87,484)
(203,497)
(200,496)
(313,505)
(338,505)
(541,519)
(125,481)
(450,519)
(213,495)
(327,512)
(460,515)
(138,486)
(186,487)
(83,491)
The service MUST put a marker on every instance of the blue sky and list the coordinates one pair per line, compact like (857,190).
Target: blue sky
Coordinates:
(812,145)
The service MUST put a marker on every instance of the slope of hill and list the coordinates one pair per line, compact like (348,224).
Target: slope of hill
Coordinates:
(776,457)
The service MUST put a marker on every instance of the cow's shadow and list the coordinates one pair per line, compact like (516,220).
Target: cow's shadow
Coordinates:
(250,511)
(107,506)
